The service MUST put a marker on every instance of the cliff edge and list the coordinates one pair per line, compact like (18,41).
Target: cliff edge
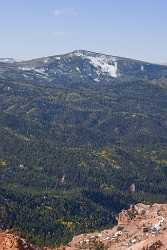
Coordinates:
(141,227)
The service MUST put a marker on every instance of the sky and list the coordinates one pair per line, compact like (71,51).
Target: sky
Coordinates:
(127,28)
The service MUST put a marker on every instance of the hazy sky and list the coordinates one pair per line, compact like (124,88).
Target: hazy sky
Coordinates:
(129,28)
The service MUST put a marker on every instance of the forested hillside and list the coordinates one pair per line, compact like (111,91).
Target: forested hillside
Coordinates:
(70,149)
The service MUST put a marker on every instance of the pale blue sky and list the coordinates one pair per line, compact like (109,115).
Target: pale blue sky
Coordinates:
(129,28)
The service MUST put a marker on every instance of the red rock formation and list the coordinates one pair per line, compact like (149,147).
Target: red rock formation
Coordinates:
(142,227)
(10,241)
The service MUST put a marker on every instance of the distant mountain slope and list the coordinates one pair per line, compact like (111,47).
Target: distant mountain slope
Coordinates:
(82,66)
(7,60)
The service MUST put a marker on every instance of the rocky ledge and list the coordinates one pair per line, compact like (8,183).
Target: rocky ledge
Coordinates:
(141,227)
(9,241)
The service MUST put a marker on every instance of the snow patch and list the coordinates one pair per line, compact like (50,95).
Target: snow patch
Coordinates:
(7,60)
(105,65)
(26,68)
(78,53)
(78,69)
(39,71)
(25,76)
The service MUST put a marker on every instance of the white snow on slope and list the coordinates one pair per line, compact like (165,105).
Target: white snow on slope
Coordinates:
(26,68)
(38,70)
(41,71)
(7,60)
(104,65)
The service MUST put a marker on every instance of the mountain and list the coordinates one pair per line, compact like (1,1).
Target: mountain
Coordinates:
(82,66)
(77,131)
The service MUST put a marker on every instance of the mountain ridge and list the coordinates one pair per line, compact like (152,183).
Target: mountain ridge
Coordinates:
(83,51)
(82,66)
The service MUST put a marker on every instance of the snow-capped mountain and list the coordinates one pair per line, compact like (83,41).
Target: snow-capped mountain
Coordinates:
(83,66)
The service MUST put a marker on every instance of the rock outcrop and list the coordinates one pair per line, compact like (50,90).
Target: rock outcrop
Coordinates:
(9,241)
(141,227)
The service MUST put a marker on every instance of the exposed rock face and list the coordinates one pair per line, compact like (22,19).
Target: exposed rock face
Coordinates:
(142,227)
(12,242)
